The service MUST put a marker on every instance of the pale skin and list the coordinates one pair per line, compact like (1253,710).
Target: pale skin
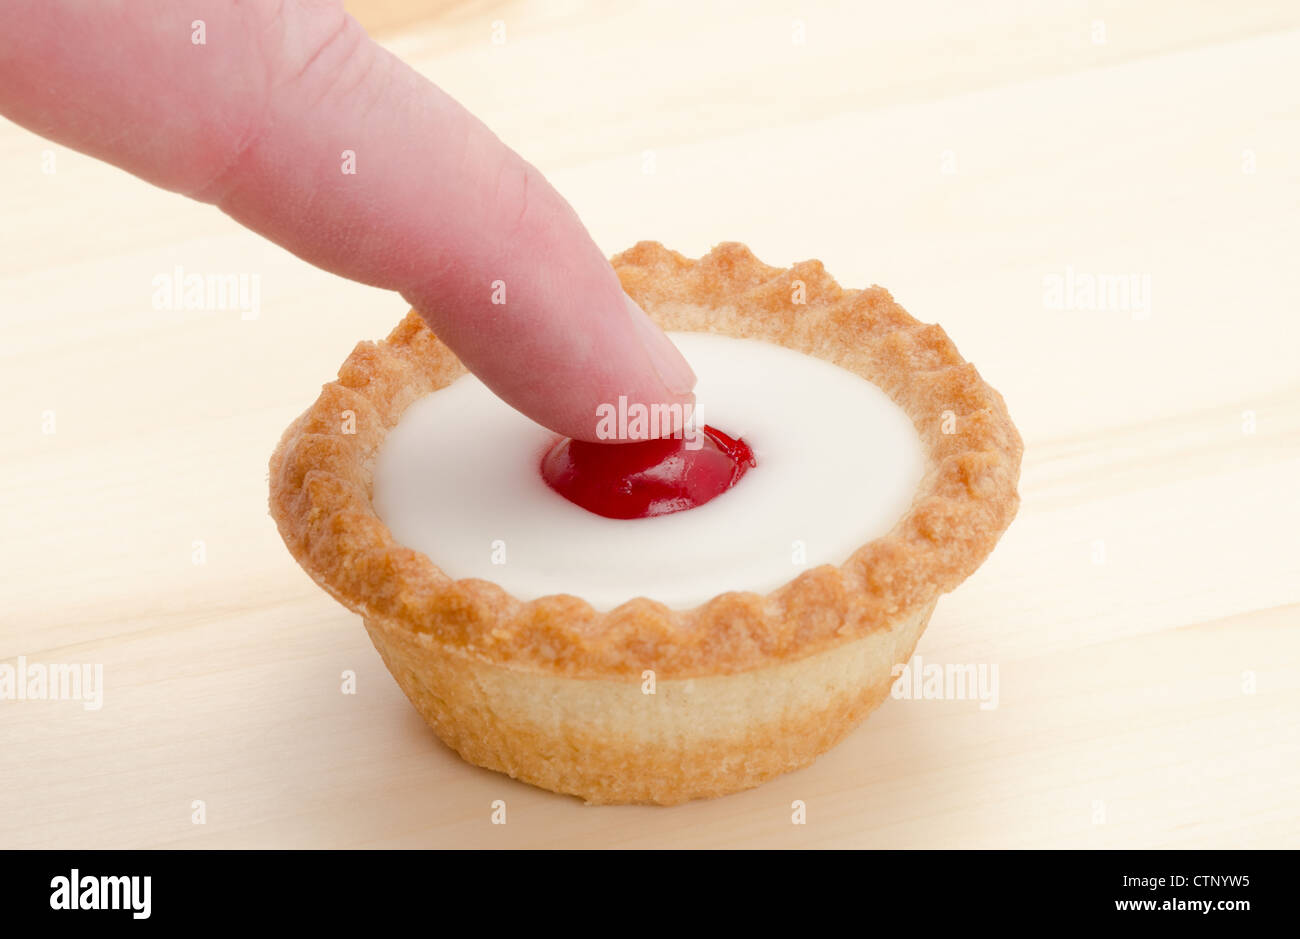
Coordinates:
(256,119)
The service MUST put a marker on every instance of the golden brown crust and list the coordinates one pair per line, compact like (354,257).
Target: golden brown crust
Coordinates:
(321,488)
(615,742)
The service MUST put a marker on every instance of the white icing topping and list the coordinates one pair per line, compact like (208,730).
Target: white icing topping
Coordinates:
(838,464)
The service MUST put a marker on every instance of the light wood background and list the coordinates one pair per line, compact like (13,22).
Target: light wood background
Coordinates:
(1144,610)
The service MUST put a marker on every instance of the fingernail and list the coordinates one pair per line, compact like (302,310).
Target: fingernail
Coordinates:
(670,365)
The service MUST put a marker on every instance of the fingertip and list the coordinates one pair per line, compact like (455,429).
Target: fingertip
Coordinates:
(643,388)
(665,358)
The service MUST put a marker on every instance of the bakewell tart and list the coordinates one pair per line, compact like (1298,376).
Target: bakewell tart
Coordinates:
(670,619)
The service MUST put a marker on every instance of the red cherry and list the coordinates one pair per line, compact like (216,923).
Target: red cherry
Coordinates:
(647,477)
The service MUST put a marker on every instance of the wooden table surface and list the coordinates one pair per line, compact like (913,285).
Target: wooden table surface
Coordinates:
(986,162)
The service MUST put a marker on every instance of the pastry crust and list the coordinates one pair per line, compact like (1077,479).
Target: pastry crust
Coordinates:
(615,742)
(321,479)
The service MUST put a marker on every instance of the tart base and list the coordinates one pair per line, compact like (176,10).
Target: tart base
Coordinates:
(612,742)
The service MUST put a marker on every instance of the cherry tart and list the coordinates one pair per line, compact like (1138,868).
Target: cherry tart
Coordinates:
(670,619)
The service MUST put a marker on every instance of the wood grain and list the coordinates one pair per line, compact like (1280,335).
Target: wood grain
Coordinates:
(1143,611)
